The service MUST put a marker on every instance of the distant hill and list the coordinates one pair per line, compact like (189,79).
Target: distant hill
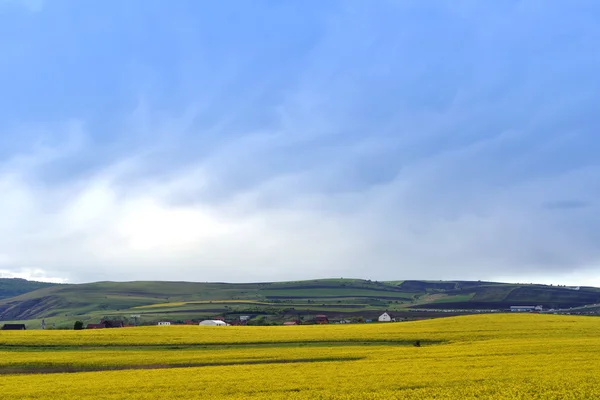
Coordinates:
(10,287)
(272,302)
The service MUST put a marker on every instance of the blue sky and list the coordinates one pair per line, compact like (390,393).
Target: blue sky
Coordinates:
(272,140)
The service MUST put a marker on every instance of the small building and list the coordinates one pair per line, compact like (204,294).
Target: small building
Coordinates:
(522,308)
(290,323)
(321,319)
(164,323)
(385,317)
(244,318)
(212,322)
(14,327)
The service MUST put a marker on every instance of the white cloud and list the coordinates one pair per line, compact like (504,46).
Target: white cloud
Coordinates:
(108,226)
(476,145)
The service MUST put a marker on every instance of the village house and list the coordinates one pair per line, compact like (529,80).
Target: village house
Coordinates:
(289,323)
(14,327)
(164,323)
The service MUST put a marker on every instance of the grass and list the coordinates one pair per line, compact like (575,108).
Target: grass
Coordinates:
(326,293)
(457,298)
(204,302)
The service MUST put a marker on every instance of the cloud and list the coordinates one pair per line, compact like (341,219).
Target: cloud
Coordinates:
(392,142)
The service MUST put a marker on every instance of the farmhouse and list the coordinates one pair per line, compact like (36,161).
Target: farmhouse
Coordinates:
(13,327)
(244,318)
(212,322)
(385,317)
(289,323)
(164,323)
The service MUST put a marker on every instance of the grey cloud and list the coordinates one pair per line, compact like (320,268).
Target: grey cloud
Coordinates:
(439,170)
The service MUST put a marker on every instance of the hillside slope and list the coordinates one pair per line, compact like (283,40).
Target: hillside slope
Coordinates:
(11,287)
(277,301)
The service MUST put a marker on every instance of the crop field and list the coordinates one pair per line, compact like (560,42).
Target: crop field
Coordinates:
(500,356)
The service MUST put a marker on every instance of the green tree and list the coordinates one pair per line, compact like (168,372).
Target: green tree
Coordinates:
(78,325)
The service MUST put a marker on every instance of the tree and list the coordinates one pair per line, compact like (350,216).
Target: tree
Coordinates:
(78,326)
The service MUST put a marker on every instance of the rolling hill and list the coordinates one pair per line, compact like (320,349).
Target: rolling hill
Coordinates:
(10,287)
(273,302)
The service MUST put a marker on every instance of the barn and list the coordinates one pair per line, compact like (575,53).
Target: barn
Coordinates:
(14,327)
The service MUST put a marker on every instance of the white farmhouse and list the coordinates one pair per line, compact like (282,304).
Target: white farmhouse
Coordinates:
(385,317)
(212,322)
(164,323)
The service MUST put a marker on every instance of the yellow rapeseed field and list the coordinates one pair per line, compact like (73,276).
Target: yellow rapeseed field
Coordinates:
(502,356)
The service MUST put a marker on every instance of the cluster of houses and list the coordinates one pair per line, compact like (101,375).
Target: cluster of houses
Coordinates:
(243,319)
(104,324)
(322,319)
(319,319)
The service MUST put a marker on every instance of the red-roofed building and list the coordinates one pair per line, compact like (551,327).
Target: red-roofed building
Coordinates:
(321,319)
